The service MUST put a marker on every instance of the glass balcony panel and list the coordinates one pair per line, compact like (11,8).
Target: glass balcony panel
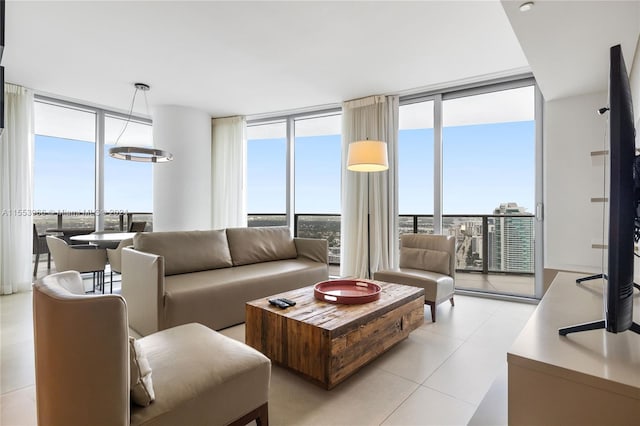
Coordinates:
(467,231)
(323,226)
(254,220)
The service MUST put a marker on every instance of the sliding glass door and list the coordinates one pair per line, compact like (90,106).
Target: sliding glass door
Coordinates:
(469,166)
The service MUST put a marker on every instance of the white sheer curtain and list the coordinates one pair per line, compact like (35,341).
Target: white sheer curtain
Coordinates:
(374,118)
(16,169)
(228,171)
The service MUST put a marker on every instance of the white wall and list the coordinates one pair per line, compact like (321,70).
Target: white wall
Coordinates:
(182,187)
(572,129)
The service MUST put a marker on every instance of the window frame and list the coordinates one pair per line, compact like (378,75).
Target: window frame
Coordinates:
(100,114)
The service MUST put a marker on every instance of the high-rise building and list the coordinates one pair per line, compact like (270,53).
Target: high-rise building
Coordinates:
(513,237)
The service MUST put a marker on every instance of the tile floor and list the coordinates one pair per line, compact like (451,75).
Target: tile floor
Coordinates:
(438,376)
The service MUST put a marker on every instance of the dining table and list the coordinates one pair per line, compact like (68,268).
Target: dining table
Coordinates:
(104,240)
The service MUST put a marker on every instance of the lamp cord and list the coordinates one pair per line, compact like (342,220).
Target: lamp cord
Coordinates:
(133,101)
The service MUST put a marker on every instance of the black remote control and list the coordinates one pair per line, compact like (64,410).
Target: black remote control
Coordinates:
(279,303)
(288,302)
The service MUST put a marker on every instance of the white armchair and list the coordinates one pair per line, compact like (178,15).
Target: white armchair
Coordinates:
(83,366)
(427,261)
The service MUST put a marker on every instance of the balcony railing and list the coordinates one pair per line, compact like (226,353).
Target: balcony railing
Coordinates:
(485,243)
(113,220)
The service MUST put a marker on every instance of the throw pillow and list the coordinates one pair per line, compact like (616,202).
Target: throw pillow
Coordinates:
(425,259)
(141,385)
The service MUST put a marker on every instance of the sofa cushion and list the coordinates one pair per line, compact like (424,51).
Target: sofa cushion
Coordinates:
(141,384)
(425,259)
(187,251)
(255,245)
(217,298)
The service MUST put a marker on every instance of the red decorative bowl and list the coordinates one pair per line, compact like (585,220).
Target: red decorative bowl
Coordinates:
(348,292)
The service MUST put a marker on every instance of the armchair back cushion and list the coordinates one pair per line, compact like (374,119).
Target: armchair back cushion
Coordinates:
(428,252)
(425,259)
(188,251)
(256,245)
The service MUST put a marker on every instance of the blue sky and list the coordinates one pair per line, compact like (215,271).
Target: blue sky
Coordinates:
(484,165)
(64,178)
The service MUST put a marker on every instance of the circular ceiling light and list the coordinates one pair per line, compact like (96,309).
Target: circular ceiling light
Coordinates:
(140,154)
(137,153)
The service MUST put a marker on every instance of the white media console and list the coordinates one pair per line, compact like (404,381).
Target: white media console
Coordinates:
(587,378)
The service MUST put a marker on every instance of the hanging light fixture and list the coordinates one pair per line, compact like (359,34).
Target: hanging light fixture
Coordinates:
(138,153)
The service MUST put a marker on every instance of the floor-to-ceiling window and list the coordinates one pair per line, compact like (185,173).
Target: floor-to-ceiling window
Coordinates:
(467,166)
(267,174)
(76,183)
(317,180)
(293,175)
(415,167)
(488,167)
(64,166)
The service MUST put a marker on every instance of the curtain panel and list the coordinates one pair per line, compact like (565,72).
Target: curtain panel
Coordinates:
(16,183)
(369,226)
(228,172)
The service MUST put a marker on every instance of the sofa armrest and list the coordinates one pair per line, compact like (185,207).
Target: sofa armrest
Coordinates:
(143,289)
(313,248)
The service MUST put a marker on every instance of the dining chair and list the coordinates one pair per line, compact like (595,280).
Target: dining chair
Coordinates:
(78,257)
(115,259)
(137,226)
(40,247)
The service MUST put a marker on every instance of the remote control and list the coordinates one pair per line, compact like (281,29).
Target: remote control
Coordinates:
(288,302)
(279,303)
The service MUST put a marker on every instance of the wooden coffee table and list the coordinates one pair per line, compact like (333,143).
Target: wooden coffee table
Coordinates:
(328,342)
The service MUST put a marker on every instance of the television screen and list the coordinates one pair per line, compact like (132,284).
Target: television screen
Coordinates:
(623,206)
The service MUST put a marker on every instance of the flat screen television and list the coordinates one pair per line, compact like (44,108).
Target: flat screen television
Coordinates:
(618,275)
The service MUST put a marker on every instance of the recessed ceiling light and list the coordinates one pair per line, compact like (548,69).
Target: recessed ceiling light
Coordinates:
(525,7)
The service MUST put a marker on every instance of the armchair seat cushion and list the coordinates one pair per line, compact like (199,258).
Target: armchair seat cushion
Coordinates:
(437,287)
(211,380)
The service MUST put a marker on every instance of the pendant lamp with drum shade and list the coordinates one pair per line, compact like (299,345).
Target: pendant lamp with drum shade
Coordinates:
(138,153)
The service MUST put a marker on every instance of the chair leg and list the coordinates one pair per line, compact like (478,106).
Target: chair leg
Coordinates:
(111,283)
(48,261)
(35,264)
(260,415)
(433,310)
(451,300)
(263,416)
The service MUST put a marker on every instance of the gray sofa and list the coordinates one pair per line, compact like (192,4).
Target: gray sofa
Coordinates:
(173,278)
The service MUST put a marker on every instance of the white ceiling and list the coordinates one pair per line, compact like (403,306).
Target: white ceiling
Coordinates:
(229,58)
(567,42)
